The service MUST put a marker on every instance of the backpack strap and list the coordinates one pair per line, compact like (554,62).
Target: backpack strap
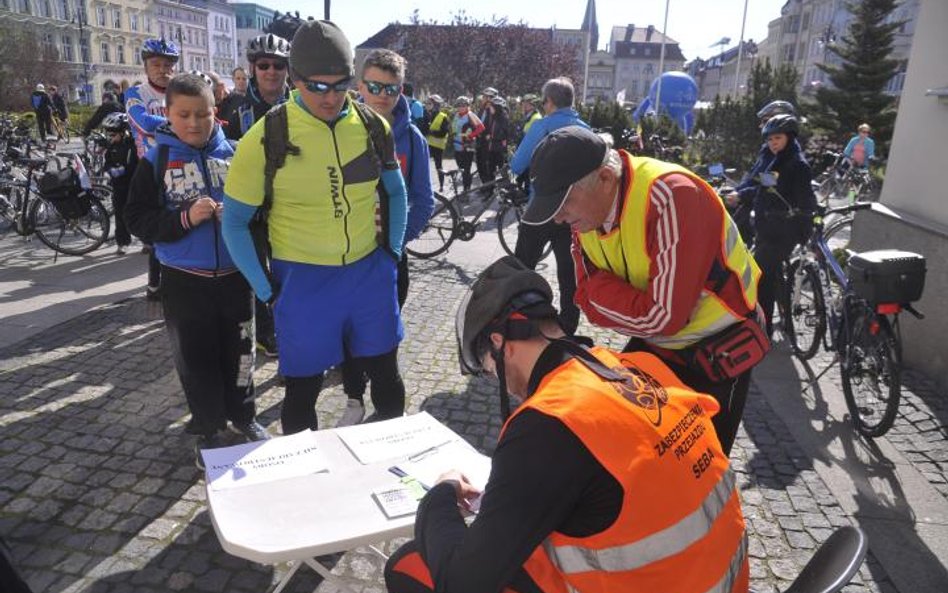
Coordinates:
(382,147)
(276,145)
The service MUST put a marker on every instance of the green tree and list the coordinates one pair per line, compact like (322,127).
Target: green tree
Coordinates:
(858,82)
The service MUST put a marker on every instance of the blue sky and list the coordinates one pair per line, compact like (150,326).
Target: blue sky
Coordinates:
(695,24)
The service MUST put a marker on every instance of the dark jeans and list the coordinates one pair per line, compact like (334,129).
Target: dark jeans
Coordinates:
(154,269)
(388,390)
(495,161)
(770,255)
(438,155)
(531,240)
(483,163)
(210,323)
(464,159)
(731,394)
(406,571)
(119,199)
(44,125)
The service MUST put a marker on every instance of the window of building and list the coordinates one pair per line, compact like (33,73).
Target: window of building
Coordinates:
(84,53)
(147,18)
(788,53)
(68,53)
(133,21)
(120,53)
(104,53)
(116,18)
(49,46)
(806,22)
(46,9)
(100,15)
(24,6)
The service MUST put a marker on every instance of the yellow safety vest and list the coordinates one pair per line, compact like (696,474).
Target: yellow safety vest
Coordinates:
(534,116)
(439,120)
(624,253)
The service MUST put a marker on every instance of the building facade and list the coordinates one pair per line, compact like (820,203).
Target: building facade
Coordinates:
(187,27)
(221,36)
(601,76)
(637,54)
(725,74)
(119,27)
(806,30)
(251,20)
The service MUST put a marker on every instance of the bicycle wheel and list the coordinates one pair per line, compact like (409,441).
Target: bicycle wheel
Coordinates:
(508,227)
(806,319)
(439,233)
(72,236)
(870,373)
(103,193)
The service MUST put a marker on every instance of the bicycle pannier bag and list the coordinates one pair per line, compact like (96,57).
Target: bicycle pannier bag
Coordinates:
(63,190)
(887,276)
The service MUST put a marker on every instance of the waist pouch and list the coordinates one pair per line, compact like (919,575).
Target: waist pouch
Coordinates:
(726,355)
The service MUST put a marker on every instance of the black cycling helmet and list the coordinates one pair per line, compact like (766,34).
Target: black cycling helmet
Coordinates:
(781,124)
(115,122)
(776,108)
(269,46)
(504,288)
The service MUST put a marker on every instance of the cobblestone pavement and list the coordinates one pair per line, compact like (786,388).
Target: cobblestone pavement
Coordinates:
(99,493)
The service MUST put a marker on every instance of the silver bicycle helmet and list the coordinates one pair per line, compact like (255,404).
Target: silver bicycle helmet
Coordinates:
(269,45)
(115,122)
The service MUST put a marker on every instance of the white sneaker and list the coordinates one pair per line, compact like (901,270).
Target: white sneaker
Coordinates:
(120,250)
(353,414)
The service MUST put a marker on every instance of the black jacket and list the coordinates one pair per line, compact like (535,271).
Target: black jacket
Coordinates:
(125,156)
(793,186)
(104,109)
(59,107)
(248,110)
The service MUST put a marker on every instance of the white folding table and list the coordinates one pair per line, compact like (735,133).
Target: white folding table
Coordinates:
(297,519)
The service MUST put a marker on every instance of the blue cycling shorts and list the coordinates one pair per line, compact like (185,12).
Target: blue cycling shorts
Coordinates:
(322,311)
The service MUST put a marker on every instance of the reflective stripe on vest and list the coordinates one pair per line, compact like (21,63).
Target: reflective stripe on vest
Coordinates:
(680,507)
(667,542)
(624,252)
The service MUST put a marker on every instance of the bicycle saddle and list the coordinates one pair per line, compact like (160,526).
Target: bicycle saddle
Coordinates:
(834,563)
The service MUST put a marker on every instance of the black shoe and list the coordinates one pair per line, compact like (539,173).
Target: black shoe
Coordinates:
(267,345)
(205,441)
(252,431)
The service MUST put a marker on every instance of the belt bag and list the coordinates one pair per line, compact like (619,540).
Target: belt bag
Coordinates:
(731,352)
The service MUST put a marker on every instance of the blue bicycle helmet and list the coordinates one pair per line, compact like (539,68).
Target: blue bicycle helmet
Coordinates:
(159,47)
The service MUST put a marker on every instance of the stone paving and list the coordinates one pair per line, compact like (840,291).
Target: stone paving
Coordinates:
(99,493)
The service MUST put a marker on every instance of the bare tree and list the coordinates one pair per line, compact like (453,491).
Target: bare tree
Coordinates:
(466,55)
(24,62)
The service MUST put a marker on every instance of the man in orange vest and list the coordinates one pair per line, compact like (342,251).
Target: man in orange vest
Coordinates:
(607,478)
(658,259)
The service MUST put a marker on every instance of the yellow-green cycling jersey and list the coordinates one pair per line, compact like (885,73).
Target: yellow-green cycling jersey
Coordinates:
(324,200)
(439,130)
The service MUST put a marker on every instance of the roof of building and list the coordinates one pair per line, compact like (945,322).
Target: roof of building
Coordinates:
(649,34)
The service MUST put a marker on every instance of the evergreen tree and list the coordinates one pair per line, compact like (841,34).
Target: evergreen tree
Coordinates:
(861,78)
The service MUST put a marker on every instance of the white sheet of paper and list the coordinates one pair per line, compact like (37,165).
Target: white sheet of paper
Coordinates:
(457,455)
(263,461)
(396,438)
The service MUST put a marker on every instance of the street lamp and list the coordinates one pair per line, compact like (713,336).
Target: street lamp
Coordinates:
(78,19)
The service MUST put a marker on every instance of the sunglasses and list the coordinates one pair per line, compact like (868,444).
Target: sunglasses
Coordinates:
(376,88)
(322,88)
(278,66)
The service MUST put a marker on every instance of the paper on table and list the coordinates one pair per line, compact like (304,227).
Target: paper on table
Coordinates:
(391,439)
(457,455)
(263,461)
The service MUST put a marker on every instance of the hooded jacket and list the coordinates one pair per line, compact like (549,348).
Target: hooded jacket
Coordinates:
(246,109)
(412,152)
(41,103)
(793,181)
(157,212)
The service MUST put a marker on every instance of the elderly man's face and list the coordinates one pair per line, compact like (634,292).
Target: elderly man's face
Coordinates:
(588,205)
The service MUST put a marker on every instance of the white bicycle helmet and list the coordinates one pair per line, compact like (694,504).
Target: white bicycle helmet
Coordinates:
(115,122)
(269,45)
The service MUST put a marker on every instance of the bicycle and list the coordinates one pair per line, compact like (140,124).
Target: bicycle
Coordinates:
(447,223)
(23,208)
(860,325)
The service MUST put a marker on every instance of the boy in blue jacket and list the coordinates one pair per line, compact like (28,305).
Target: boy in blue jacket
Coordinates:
(381,87)
(176,202)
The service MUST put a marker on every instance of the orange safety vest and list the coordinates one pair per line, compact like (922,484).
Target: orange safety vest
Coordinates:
(680,527)
(623,252)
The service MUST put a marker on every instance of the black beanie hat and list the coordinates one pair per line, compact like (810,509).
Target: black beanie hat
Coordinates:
(320,48)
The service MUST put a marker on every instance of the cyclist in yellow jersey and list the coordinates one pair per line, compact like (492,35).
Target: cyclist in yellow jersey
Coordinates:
(333,285)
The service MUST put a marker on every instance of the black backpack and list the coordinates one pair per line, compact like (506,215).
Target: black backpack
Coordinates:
(64,191)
